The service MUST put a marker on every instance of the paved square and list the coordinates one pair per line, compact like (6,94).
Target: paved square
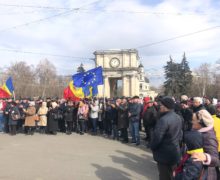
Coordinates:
(73,157)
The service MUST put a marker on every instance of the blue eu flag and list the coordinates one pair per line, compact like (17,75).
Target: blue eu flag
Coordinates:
(91,78)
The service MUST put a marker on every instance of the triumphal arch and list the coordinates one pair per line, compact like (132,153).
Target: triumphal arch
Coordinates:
(120,71)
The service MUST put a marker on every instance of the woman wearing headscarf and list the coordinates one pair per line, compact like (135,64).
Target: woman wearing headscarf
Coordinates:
(30,117)
(42,113)
(203,122)
(53,117)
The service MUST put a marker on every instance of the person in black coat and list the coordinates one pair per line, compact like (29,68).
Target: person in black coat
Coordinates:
(187,114)
(166,139)
(53,117)
(110,116)
(209,106)
(6,115)
(150,118)
(123,122)
(13,112)
(69,116)
(61,121)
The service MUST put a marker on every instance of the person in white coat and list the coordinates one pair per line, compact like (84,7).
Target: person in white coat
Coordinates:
(94,109)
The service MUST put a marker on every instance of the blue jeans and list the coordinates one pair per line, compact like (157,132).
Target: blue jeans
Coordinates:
(94,124)
(1,122)
(134,130)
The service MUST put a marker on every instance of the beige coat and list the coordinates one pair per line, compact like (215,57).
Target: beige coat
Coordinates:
(42,113)
(30,116)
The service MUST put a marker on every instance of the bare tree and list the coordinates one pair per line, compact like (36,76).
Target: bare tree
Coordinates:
(46,76)
(23,78)
(202,80)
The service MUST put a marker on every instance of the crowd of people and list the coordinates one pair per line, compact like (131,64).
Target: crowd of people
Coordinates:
(109,117)
(185,139)
(183,135)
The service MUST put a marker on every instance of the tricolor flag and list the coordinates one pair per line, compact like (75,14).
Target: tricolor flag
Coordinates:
(6,91)
(73,93)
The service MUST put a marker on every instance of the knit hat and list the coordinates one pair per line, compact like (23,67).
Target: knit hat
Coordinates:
(168,102)
(193,140)
(205,117)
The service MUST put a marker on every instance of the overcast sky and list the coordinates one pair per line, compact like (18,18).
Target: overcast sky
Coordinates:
(77,28)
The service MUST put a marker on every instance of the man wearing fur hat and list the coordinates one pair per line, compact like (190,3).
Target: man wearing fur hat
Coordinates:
(166,139)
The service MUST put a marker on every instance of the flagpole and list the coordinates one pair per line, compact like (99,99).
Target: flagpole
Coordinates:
(13,94)
(103,91)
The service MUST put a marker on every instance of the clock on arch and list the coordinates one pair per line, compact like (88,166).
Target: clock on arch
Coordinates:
(114,62)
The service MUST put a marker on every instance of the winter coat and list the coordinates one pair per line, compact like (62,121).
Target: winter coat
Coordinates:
(52,123)
(187,117)
(42,113)
(166,138)
(94,109)
(135,110)
(150,117)
(83,112)
(210,108)
(191,170)
(30,116)
(122,116)
(110,113)
(69,113)
(7,108)
(13,111)
(210,147)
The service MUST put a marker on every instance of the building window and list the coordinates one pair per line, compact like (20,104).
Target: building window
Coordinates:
(141,87)
(146,87)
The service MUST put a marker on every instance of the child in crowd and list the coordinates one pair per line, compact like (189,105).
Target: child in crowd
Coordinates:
(189,169)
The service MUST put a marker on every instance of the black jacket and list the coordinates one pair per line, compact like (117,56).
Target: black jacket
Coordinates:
(69,113)
(187,117)
(166,138)
(210,108)
(122,116)
(150,117)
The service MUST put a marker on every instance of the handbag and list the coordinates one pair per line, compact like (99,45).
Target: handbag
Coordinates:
(15,117)
(36,117)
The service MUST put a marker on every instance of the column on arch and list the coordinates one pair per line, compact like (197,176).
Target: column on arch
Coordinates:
(126,86)
(106,87)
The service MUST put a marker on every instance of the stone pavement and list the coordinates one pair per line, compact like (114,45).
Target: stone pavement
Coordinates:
(72,157)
